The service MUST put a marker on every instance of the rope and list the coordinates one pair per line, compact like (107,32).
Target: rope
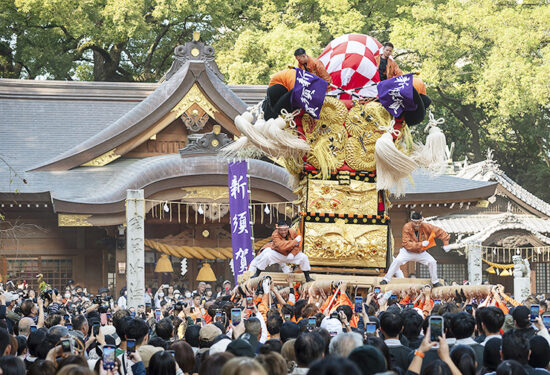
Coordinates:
(432,122)
(289,117)
(390,129)
(501,266)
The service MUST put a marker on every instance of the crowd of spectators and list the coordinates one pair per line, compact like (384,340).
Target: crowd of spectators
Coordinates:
(271,329)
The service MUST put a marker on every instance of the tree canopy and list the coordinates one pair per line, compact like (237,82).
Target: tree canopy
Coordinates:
(486,63)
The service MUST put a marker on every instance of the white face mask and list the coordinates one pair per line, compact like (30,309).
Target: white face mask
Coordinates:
(67,295)
(187,294)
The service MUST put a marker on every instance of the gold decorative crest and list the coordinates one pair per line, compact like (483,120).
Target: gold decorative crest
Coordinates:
(102,160)
(330,197)
(206,193)
(194,96)
(73,220)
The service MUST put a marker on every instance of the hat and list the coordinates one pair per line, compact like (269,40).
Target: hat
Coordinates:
(103,290)
(209,332)
(332,325)
(220,346)
(289,330)
(369,359)
(521,316)
(240,348)
(226,282)
(146,352)
(10,297)
(177,291)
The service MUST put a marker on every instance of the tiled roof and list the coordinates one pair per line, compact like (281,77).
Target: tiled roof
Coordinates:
(473,223)
(488,170)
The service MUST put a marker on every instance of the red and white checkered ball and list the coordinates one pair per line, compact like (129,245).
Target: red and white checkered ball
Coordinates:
(349,59)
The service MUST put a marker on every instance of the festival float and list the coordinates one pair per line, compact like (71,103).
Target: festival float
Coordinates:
(346,147)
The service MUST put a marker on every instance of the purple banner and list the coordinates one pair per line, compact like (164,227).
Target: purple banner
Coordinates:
(396,94)
(241,233)
(309,92)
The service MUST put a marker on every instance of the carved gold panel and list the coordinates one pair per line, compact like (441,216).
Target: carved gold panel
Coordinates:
(73,220)
(194,96)
(206,193)
(329,197)
(102,160)
(346,244)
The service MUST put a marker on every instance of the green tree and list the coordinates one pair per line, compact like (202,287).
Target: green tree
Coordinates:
(486,67)
(106,40)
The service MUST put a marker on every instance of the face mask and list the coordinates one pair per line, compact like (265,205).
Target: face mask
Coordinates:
(67,295)
(187,294)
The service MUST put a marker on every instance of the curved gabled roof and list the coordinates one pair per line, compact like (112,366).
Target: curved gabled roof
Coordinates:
(159,173)
(150,111)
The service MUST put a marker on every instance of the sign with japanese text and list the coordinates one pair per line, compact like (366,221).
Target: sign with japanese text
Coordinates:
(396,94)
(241,233)
(309,92)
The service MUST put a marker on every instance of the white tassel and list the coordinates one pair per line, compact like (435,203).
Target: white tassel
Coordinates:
(234,149)
(433,155)
(286,140)
(391,165)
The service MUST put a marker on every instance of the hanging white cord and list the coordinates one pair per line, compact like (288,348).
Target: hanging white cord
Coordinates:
(289,117)
(432,122)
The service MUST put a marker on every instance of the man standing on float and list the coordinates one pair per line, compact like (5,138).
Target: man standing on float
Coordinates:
(418,237)
(283,248)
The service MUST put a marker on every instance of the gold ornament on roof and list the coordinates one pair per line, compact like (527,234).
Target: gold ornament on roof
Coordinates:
(194,96)
(102,160)
(73,220)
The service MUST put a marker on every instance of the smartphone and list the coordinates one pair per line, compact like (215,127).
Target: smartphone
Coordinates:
(371,327)
(66,346)
(436,327)
(546,320)
(334,315)
(95,328)
(410,306)
(376,289)
(171,352)
(249,302)
(109,357)
(198,321)
(358,305)
(287,317)
(218,316)
(311,324)
(131,345)
(469,308)
(108,316)
(235,316)
(534,312)
(437,302)
(103,318)
(158,315)
(66,317)
(34,328)
(69,326)
(392,300)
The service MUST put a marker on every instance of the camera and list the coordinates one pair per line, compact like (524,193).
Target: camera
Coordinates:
(48,294)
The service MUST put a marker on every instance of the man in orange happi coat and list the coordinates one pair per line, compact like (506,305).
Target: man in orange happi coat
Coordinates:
(283,248)
(418,237)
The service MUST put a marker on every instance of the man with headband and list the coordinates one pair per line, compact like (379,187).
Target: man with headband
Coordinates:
(418,237)
(283,248)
